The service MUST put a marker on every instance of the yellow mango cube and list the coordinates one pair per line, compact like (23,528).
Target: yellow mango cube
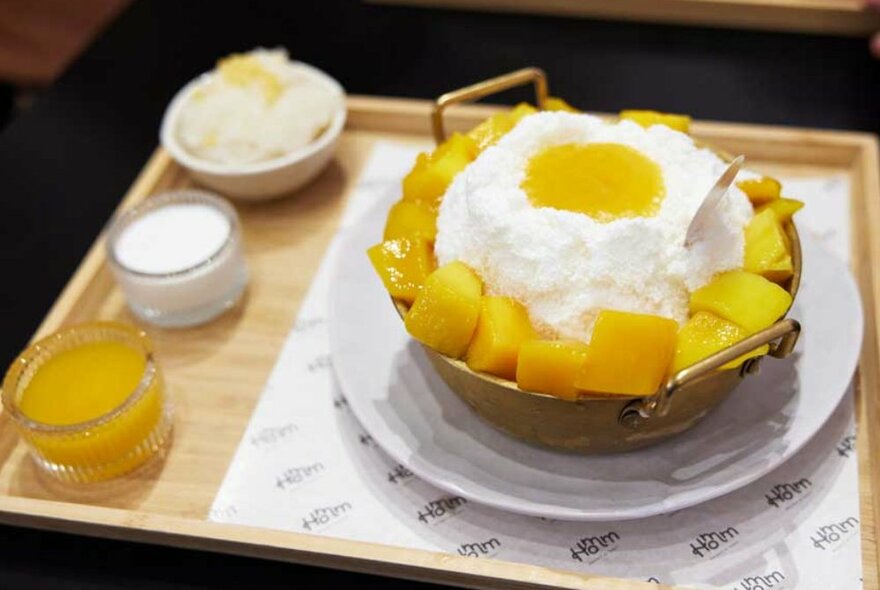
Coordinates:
(746,299)
(445,312)
(553,103)
(410,220)
(493,128)
(703,335)
(520,111)
(783,208)
(761,190)
(403,265)
(430,177)
(628,354)
(780,271)
(647,118)
(766,247)
(550,366)
(502,328)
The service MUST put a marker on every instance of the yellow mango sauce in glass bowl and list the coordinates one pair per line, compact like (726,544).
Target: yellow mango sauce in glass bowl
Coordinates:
(89,402)
(601,379)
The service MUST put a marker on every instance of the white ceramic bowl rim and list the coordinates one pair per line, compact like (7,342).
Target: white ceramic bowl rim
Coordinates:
(169,140)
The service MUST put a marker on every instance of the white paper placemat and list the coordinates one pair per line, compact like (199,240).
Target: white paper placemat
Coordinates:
(306,465)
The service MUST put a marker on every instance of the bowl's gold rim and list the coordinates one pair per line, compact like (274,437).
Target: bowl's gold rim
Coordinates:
(793,286)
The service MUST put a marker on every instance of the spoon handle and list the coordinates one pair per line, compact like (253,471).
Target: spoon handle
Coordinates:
(704,214)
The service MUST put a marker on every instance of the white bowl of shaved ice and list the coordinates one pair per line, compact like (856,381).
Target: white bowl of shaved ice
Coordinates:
(258,126)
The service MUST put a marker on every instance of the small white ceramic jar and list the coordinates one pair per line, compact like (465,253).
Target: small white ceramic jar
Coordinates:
(178,258)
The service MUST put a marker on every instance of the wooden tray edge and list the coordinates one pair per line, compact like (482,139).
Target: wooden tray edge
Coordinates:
(866,246)
(838,17)
(314,550)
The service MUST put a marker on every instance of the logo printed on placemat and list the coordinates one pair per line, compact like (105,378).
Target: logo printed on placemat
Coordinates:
(399,474)
(771,580)
(707,543)
(479,549)
(303,325)
(847,446)
(829,535)
(587,547)
(438,509)
(320,517)
(272,434)
(294,476)
(321,362)
(785,492)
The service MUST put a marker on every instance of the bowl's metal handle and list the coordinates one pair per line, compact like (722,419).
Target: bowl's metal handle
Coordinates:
(781,336)
(484,89)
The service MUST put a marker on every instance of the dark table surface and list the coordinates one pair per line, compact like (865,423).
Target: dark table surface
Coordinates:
(67,160)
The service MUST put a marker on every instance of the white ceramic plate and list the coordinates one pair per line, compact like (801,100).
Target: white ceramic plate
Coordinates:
(408,410)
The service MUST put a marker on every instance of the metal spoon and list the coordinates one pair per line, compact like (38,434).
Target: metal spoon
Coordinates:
(704,214)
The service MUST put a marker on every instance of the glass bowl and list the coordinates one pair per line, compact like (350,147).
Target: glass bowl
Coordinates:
(109,445)
(194,294)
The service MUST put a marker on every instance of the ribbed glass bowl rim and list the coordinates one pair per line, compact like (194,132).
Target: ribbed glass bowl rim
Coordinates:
(12,380)
(174,197)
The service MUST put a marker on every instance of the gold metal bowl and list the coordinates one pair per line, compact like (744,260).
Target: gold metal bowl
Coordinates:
(594,424)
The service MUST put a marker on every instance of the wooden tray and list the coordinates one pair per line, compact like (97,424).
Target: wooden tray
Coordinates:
(836,17)
(217,372)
